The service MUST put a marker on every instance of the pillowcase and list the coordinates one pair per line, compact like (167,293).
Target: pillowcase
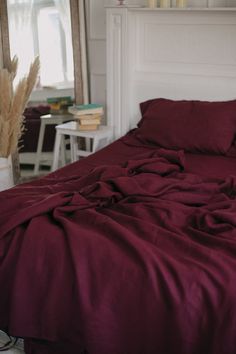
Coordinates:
(232,150)
(194,126)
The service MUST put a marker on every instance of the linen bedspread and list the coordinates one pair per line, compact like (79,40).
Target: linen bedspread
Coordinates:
(131,258)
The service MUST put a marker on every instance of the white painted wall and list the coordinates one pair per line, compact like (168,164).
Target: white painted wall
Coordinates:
(171,54)
(97,50)
(97,39)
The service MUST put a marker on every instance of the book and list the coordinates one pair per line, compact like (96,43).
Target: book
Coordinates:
(89,116)
(78,110)
(87,127)
(59,105)
(90,121)
(83,107)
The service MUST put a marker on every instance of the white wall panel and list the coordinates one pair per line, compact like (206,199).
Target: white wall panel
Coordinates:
(177,44)
(98,89)
(217,3)
(194,3)
(97,16)
(231,3)
(97,42)
(97,49)
(172,54)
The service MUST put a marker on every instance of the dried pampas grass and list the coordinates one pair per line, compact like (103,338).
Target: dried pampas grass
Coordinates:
(12,105)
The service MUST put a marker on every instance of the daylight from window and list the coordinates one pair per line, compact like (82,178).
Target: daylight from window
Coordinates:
(42,27)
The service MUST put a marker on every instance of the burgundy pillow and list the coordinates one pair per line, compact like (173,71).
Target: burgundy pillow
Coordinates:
(194,126)
(232,151)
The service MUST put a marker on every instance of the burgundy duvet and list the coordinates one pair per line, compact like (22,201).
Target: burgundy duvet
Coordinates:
(121,255)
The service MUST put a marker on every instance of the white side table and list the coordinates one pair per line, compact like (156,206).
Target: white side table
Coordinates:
(100,138)
(47,119)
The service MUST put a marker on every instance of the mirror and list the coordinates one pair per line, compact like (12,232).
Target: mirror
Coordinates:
(52,30)
(42,28)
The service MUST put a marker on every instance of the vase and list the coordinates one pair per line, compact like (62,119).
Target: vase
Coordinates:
(6,173)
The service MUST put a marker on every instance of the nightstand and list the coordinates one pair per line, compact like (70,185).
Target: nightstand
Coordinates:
(100,138)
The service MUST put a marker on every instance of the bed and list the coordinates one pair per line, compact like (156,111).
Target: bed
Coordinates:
(132,250)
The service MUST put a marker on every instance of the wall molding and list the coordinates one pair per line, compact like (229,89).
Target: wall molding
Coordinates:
(117,70)
(173,54)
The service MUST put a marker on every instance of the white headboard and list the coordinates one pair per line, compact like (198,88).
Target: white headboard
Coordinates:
(178,54)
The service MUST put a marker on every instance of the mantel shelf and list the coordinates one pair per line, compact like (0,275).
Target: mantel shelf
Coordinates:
(172,9)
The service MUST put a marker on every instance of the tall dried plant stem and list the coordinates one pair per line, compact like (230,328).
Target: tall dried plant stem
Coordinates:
(5,93)
(12,105)
(14,66)
(31,79)
(16,111)
(5,102)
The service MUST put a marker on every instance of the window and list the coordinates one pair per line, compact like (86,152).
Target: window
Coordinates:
(40,27)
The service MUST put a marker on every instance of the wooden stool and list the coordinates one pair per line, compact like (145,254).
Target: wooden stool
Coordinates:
(100,138)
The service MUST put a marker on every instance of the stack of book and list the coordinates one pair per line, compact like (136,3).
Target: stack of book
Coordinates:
(88,116)
(59,105)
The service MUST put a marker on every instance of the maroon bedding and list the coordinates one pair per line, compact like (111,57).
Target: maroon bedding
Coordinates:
(129,251)
(195,126)
(210,165)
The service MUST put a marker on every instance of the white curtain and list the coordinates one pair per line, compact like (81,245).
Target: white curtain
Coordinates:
(21,38)
(63,7)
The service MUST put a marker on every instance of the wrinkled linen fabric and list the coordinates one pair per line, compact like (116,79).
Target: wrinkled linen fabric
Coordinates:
(135,257)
